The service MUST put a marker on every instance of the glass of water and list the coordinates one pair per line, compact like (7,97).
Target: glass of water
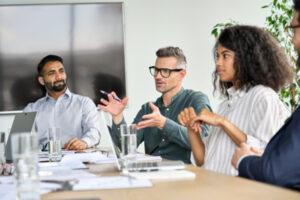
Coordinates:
(25,157)
(54,144)
(2,148)
(128,144)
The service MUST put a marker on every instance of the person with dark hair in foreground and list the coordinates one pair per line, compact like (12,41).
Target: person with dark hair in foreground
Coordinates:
(280,162)
(76,115)
(250,69)
(157,121)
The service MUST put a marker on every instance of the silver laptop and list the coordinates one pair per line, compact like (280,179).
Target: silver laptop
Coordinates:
(23,122)
(137,166)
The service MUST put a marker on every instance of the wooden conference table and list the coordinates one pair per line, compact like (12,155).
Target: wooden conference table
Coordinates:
(206,185)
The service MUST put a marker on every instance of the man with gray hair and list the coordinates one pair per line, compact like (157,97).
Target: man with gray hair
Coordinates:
(157,122)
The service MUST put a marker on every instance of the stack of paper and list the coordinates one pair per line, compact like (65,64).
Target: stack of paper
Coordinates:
(115,182)
(164,175)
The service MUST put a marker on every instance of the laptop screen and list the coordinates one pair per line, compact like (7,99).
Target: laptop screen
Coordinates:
(105,133)
(23,122)
(6,121)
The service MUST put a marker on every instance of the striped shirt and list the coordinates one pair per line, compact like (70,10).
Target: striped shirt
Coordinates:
(259,113)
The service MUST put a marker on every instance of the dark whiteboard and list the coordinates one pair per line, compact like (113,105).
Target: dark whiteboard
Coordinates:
(89,37)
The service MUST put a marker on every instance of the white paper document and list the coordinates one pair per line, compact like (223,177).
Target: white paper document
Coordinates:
(138,158)
(8,192)
(65,175)
(84,157)
(164,175)
(53,180)
(115,182)
(70,164)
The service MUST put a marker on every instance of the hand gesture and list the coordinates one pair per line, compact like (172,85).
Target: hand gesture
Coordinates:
(256,151)
(242,151)
(185,118)
(207,117)
(75,144)
(155,119)
(113,106)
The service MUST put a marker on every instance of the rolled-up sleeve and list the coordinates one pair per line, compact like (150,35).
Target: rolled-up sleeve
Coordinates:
(268,116)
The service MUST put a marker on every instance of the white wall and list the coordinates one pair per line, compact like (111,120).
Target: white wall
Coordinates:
(151,24)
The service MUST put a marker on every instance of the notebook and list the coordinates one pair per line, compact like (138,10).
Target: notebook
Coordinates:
(137,166)
(23,122)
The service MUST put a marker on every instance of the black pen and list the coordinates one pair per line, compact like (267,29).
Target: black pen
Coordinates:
(115,98)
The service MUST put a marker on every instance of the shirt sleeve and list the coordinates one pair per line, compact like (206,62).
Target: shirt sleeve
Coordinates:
(178,133)
(90,124)
(268,116)
(28,108)
(240,160)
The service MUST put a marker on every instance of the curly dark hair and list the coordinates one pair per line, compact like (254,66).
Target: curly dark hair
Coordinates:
(297,7)
(259,60)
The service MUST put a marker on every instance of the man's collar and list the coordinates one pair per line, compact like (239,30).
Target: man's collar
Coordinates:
(67,94)
(178,94)
(160,100)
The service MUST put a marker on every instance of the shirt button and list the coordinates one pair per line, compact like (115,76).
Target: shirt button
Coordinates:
(167,109)
(163,140)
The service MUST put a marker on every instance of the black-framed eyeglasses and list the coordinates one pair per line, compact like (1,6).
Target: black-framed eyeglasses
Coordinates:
(164,72)
(290,30)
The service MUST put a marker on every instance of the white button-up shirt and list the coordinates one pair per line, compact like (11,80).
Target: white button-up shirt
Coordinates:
(259,113)
(75,115)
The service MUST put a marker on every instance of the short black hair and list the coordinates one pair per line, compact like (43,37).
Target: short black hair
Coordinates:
(49,58)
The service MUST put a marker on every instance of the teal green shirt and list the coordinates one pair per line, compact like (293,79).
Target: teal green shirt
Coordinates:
(172,142)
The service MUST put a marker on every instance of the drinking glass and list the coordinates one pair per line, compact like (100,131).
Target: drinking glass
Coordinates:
(128,145)
(25,157)
(128,139)
(54,144)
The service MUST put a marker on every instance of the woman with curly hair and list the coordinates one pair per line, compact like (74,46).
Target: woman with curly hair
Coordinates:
(250,68)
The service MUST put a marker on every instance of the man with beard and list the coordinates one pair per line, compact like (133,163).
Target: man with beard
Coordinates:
(75,115)
(280,162)
(157,122)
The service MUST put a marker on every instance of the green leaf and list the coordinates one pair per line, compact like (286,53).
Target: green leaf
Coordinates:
(292,102)
(290,13)
(215,32)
